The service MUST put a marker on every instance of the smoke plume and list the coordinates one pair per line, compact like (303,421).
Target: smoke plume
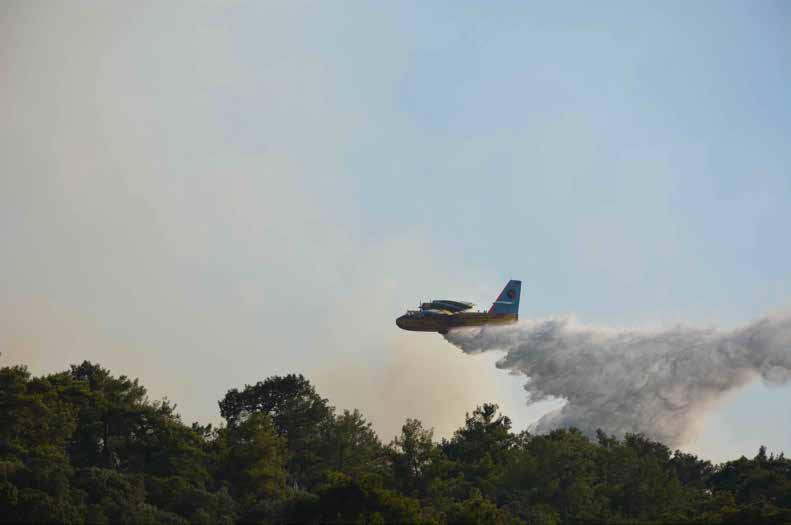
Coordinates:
(659,383)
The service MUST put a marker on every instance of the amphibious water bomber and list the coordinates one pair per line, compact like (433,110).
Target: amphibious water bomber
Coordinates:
(440,315)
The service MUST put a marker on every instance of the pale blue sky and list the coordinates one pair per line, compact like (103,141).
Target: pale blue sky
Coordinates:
(204,194)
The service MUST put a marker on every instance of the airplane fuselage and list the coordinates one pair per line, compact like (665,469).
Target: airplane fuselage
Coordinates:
(427,321)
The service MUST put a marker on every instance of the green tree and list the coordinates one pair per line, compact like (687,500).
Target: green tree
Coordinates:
(691,471)
(343,499)
(410,455)
(351,446)
(113,497)
(253,457)
(641,482)
(299,414)
(479,450)
(485,433)
(107,416)
(477,510)
(35,425)
(557,471)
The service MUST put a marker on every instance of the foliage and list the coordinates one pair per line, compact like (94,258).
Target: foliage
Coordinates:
(85,446)
(299,415)
(350,445)
(411,455)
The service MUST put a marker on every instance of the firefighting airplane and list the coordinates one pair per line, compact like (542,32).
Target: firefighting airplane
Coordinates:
(440,315)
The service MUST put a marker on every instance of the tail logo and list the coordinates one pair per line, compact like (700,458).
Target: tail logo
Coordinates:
(511,293)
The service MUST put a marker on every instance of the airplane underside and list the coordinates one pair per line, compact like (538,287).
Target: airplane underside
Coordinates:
(444,323)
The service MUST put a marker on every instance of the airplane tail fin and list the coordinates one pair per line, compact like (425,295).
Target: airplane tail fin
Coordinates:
(508,300)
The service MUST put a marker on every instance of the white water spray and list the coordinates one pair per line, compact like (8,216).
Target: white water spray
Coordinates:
(659,383)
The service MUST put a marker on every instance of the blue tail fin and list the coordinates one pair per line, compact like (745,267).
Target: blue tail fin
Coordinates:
(508,300)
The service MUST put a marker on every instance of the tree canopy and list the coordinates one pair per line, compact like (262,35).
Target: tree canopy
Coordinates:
(84,445)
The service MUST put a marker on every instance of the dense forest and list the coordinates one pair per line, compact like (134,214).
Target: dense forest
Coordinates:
(86,446)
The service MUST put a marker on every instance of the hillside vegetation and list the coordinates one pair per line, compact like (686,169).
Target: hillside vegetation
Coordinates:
(86,446)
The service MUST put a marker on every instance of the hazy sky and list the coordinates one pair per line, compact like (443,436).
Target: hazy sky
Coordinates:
(205,194)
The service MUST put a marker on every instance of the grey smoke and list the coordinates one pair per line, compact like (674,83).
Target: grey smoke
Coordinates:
(659,383)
